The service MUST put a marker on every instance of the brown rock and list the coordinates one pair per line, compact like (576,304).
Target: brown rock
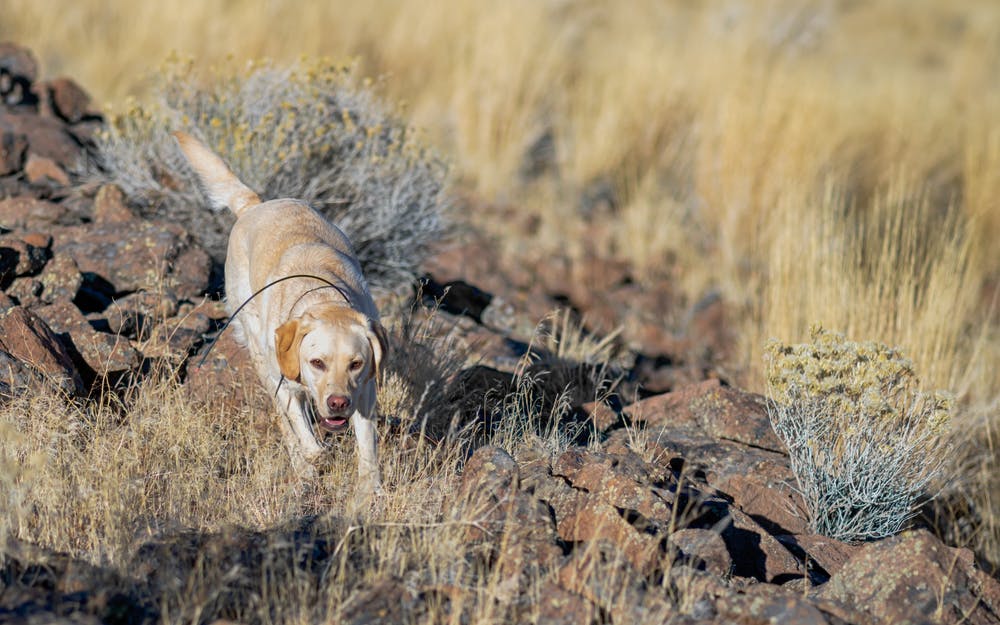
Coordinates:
(27,291)
(47,137)
(13,147)
(18,70)
(61,279)
(771,502)
(757,554)
(29,213)
(110,206)
(134,256)
(227,375)
(704,549)
(594,519)
(916,578)
(488,479)
(29,259)
(385,601)
(100,353)
(41,169)
(67,99)
(622,481)
(176,338)
(36,239)
(598,572)
(557,606)
(829,553)
(600,414)
(136,314)
(760,604)
(26,337)
(723,412)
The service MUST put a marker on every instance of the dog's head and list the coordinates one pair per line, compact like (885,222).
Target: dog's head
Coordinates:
(334,352)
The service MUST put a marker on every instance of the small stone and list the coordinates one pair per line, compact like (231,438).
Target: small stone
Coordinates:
(41,169)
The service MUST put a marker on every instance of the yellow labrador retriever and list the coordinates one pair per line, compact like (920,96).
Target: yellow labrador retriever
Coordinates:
(313,331)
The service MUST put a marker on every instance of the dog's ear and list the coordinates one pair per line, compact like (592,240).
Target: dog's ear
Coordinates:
(287,339)
(380,346)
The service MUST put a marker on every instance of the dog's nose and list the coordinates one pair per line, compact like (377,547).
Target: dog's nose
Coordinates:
(338,403)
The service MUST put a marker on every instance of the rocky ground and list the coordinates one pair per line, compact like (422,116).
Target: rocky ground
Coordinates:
(688,493)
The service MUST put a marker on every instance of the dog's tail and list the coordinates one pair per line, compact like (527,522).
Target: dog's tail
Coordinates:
(221,185)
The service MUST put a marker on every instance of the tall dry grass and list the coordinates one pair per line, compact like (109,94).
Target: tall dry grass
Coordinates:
(818,161)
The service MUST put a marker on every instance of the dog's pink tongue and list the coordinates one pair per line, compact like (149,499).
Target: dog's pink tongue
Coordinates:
(333,423)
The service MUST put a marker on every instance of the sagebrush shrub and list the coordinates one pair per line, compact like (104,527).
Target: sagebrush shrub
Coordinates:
(314,131)
(864,442)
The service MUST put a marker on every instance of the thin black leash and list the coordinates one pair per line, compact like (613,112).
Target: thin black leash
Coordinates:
(261,290)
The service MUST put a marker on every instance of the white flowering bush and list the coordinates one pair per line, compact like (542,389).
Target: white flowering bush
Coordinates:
(314,131)
(864,442)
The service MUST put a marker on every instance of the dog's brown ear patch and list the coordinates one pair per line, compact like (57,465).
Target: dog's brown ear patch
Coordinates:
(287,339)
(380,345)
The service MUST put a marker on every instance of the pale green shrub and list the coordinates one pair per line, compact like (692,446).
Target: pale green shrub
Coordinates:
(313,131)
(864,442)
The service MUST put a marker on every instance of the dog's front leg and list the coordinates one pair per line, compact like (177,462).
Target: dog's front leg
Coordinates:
(295,428)
(369,476)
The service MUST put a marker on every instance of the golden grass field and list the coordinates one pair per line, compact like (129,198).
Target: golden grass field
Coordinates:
(833,162)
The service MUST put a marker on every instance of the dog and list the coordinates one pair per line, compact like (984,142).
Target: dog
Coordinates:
(309,321)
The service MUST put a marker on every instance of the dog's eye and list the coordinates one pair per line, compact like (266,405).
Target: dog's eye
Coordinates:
(318,364)
(356,364)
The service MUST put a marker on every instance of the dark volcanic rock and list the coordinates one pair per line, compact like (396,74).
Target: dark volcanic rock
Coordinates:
(98,353)
(916,578)
(27,338)
(13,147)
(29,213)
(47,137)
(142,255)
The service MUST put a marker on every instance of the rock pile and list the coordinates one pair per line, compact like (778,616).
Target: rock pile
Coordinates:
(91,292)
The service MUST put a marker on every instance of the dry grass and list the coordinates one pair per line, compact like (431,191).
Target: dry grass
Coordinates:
(818,162)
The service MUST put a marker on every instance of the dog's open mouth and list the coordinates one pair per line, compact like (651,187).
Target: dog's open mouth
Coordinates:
(333,424)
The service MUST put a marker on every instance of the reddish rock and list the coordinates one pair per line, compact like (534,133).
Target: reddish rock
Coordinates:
(47,137)
(27,259)
(914,577)
(623,484)
(598,572)
(771,500)
(828,553)
(27,338)
(226,376)
(385,601)
(176,338)
(558,606)
(29,213)
(18,70)
(61,279)
(723,412)
(42,170)
(703,549)
(594,519)
(136,314)
(100,353)
(134,256)
(756,553)
(762,604)
(600,414)
(110,206)
(67,99)
(13,148)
